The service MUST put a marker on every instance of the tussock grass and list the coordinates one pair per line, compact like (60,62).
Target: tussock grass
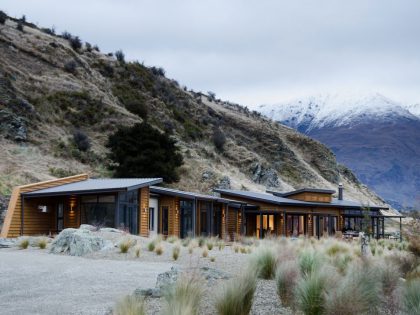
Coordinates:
(24,243)
(310,293)
(205,252)
(184,297)
(137,251)
(237,295)
(129,305)
(210,244)
(264,263)
(42,243)
(310,261)
(336,248)
(287,277)
(411,298)
(175,252)
(172,239)
(159,249)
(126,244)
(151,246)
(221,244)
(212,259)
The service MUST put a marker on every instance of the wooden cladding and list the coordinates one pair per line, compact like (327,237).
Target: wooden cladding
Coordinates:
(34,221)
(144,194)
(312,197)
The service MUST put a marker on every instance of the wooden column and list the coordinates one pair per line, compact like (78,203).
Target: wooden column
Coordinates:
(261,225)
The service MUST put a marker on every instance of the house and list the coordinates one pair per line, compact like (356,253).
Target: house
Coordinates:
(140,207)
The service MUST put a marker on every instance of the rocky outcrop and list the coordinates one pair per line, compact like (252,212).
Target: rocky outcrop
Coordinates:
(77,242)
(224,183)
(264,175)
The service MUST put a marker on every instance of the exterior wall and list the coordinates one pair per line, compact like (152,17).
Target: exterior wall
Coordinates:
(34,222)
(232,224)
(144,194)
(311,196)
(173,214)
(223,225)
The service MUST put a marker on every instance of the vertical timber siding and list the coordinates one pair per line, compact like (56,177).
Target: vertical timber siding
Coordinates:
(173,214)
(144,194)
(34,222)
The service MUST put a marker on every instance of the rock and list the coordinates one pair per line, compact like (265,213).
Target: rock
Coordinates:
(7,242)
(112,230)
(262,175)
(207,175)
(167,278)
(213,274)
(224,183)
(77,242)
(155,292)
(88,227)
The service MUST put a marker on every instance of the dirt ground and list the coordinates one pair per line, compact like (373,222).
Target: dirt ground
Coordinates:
(35,282)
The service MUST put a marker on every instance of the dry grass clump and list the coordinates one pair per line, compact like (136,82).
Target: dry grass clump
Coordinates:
(236,248)
(336,248)
(310,293)
(309,261)
(24,243)
(175,252)
(159,249)
(42,243)
(172,239)
(205,252)
(287,276)
(411,297)
(221,244)
(264,262)
(414,245)
(183,298)
(201,241)
(237,295)
(137,251)
(129,305)
(151,246)
(212,259)
(126,244)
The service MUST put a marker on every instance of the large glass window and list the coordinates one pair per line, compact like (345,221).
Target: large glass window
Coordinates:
(128,208)
(186,218)
(267,224)
(295,225)
(98,210)
(204,209)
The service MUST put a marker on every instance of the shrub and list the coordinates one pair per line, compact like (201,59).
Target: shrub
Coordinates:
(3,17)
(75,42)
(357,293)
(158,71)
(414,245)
(88,47)
(159,249)
(42,243)
(210,244)
(19,26)
(66,35)
(237,295)
(211,96)
(264,263)
(310,292)
(411,298)
(70,66)
(142,151)
(49,31)
(24,243)
(96,48)
(219,139)
(287,276)
(205,252)
(184,297)
(175,252)
(129,305)
(151,246)
(120,56)
(137,251)
(137,107)
(125,245)
(81,141)
(309,261)
(212,259)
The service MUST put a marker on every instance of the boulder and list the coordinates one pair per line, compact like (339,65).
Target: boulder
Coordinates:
(6,242)
(77,242)
(88,227)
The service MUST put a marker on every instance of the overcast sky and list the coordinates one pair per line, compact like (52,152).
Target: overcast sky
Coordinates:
(253,52)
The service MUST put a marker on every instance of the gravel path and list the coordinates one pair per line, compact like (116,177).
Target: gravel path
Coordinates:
(35,282)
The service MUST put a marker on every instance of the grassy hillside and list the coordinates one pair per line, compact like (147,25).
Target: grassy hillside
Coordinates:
(50,88)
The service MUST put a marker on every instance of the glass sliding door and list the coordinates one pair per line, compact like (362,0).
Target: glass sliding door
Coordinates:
(128,208)
(296,225)
(267,225)
(186,218)
(98,210)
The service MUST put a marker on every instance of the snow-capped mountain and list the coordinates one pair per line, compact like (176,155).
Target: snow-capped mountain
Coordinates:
(335,110)
(375,136)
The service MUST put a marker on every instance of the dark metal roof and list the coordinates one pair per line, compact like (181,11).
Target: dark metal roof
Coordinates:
(269,198)
(298,191)
(190,195)
(95,186)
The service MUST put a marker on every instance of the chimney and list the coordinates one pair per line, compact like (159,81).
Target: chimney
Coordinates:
(340,191)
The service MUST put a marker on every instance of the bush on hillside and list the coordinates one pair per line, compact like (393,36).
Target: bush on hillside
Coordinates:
(81,140)
(19,26)
(219,139)
(3,17)
(70,66)
(142,151)
(66,35)
(158,71)
(75,42)
(119,54)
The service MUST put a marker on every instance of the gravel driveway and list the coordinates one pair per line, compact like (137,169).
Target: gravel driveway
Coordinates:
(35,282)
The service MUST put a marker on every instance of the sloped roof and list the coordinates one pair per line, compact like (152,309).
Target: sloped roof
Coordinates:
(95,186)
(269,198)
(298,191)
(190,195)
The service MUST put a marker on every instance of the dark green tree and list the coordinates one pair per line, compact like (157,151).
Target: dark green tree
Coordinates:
(142,151)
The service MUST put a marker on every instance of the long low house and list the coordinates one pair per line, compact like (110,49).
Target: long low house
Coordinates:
(140,207)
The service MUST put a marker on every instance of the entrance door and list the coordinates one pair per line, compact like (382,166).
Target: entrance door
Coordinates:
(165,219)
(60,217)
(217,220)
(186,218)
(153,216)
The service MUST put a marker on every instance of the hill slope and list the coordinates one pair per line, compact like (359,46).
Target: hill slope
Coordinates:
(373,135)
(48,89)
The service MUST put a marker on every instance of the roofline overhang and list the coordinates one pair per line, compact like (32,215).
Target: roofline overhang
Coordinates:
(299,203)
(302,190)
(34,194)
